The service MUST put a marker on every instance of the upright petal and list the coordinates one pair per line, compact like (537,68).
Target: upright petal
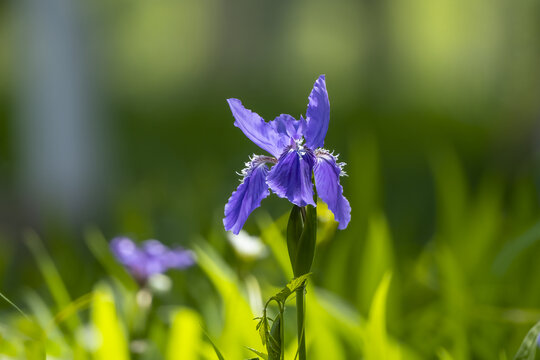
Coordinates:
(255,128)
(125,250)
(317,115)
(154,248)
(289,127)
(291,177)
(327,172)
(247,197)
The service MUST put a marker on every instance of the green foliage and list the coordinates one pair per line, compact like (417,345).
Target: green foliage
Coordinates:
(515,247)
(109,331)
(290,288)
(234,337)
(434,107)
(216,349)
(276,342)
(100,249)
(272,338)
(377,344)
(527,350)
(377,259)
(50,274)
(184,341)
(258,353)
(462,292)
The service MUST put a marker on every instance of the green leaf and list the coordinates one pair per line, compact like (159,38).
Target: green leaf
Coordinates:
(376,337)
(185,335)
(51,275)
(263,355)
(34,350)
(99,247)
(527,350)
(514,248)
(274,340)
(263,326)
(73,308)
(377,258)
(290,288)
(216,350)
(236,306)
(297,282)
(13,305)
(105,319)
(442,354)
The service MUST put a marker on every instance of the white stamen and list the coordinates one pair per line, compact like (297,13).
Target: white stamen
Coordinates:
(254,161)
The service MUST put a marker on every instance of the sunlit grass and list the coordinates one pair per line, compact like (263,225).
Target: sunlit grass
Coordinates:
(467,294)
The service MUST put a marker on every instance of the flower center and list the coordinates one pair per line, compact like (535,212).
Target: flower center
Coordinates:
(298,146)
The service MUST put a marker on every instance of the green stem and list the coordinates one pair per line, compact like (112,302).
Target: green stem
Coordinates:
(282,332)
(300,311)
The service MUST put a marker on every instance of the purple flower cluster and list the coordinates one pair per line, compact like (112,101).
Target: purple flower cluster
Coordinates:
(151,258)
(296,146)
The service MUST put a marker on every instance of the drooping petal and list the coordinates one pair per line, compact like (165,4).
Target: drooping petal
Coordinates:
(247,197)
(327,172)
(289,127)
(291,177)
(179,258)
(317,115)
(162,257)
(255,128)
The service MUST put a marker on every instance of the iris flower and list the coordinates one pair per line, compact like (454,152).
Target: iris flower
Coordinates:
(298,155)
(151,258)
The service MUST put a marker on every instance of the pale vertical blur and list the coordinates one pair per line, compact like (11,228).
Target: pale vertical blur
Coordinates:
(55,119)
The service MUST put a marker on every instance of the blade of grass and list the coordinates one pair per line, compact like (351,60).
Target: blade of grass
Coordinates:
(51,275)
(14,306)
(238,316)
(100,248)
(515,247)
(105,319)
(185,335)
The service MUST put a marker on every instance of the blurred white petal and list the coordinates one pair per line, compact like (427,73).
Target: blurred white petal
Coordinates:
(246,245)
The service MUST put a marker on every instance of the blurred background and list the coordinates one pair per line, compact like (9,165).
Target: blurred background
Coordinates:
(113,116)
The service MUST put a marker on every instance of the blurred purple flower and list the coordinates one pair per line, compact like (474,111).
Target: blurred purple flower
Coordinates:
(296,146)
(151,258)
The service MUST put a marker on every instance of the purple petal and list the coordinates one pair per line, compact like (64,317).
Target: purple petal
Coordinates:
(289,127)
(247,197)
(152,266)
(179,259)
(154,248)
(291,177)
(160,257)
(327,172)
(255,128)
(125,250)
(317,115)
